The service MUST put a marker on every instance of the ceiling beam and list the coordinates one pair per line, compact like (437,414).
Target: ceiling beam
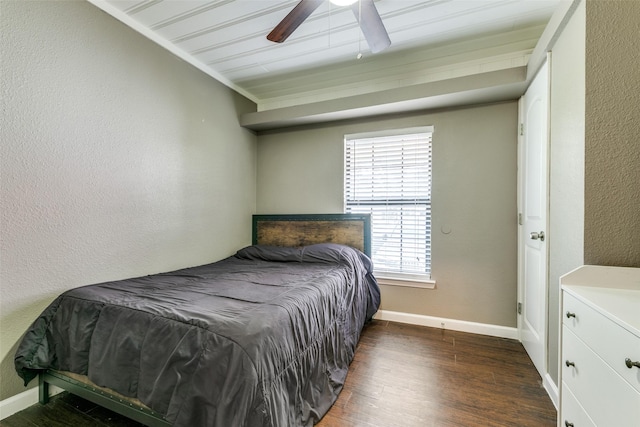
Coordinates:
(494,86)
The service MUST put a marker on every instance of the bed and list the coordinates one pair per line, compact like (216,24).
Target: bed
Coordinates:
(262,338)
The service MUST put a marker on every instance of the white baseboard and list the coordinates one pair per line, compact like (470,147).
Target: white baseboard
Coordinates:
(23,400)
(552,390)
(444,323)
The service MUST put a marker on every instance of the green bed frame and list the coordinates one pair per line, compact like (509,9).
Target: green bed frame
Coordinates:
(100,397)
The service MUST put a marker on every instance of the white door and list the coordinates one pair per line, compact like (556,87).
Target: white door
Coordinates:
(532,231)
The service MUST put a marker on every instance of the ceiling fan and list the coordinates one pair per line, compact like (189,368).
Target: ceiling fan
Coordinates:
(365,11)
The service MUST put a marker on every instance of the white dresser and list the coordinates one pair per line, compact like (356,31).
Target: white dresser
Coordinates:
(600,347)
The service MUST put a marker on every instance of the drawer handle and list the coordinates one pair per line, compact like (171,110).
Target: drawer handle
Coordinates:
(569,364)
(631,364)
(570,315)
(568,424)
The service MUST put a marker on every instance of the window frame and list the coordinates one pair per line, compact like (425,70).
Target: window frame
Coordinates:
(386,277)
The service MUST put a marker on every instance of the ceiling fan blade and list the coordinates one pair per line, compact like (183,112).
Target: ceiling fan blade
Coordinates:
(371,24)
(293,20)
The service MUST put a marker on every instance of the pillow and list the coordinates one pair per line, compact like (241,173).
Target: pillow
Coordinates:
(270,253)
(331,253)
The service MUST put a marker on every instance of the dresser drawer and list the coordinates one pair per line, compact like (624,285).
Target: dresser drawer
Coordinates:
(572,414)
(611,342)
(608,399)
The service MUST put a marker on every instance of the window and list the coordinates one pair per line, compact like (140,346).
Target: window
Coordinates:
(389,176)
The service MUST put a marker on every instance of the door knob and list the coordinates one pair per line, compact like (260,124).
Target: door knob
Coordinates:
(537,236)
(630,364)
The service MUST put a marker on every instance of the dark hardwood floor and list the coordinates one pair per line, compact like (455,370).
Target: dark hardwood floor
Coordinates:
(402,375)
(412,376)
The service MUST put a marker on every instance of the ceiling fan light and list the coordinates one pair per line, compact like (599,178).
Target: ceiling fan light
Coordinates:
(343,2)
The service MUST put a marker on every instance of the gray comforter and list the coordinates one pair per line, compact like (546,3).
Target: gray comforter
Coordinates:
(262,338)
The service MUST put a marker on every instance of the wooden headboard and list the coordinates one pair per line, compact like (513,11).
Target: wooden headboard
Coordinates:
(307,229)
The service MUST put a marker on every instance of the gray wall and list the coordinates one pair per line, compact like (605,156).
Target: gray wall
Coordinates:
(474,196)
(612,145)
(117,160)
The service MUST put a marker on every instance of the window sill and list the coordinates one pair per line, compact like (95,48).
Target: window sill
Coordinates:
(407,283)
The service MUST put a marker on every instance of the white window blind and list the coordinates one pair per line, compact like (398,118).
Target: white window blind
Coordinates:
(390,178)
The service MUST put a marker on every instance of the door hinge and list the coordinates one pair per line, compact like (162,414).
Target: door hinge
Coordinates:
(521,129)
(519,219)
(519,308)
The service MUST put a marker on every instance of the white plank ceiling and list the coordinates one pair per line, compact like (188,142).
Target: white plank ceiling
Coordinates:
(431,40)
